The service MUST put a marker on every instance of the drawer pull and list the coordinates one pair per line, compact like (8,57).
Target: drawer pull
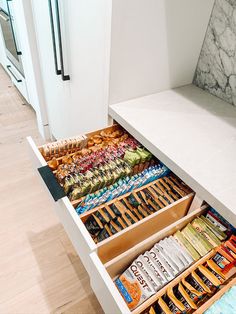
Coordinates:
(53,186)
(16,78)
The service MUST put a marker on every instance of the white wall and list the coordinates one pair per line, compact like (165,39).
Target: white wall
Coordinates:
(155,45)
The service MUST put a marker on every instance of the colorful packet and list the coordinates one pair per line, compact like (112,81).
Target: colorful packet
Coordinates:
(155,268)
(224,259)
(134,286)
(122,186)
(187,245)
(216,221)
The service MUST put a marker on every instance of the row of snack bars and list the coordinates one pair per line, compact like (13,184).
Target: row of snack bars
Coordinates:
(133,207)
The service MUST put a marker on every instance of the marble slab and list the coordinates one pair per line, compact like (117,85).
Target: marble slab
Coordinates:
(194,134)
(216,69)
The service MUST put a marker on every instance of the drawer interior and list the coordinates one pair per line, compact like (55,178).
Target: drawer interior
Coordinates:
(161,196)
(143,229)
(116,266)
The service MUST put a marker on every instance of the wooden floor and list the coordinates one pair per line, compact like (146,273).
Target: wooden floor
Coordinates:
(39,270)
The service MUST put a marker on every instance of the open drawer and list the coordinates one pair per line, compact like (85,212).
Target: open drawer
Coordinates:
(115,245)
(103,273)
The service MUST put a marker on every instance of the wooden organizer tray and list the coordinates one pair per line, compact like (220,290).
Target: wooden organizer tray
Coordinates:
(83,143)
(163,189)
(184,274)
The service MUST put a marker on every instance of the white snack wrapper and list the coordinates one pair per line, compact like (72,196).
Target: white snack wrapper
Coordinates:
(156,270)
(156,284)
(183,250)
(162,264)
(164,253)
(174,253)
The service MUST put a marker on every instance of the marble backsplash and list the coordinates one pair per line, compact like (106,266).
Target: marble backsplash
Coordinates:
(216,69)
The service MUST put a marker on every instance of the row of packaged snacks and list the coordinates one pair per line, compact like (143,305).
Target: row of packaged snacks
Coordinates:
(121,187)
(120,214)
(80,175)
(171,256)
(199,286)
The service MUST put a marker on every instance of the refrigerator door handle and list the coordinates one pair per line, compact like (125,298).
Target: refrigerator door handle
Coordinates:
(57,70)
(64,77)
(19,53)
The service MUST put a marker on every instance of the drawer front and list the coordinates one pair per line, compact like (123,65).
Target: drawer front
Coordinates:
(36,158)
(105,290)
(66,213)
(76,231)
(18,80)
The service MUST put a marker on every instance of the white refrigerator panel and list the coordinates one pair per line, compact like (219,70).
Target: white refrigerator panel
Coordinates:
(79,104)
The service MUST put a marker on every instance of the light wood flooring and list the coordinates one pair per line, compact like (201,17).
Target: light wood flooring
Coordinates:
(39,270)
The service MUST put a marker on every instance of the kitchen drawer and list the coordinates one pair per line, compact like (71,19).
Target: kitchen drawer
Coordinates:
(118,243)
(66,213)
(103,274)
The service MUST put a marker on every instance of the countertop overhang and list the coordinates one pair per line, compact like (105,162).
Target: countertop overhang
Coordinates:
(194,134)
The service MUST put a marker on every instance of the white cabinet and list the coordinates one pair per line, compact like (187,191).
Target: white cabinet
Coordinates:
(112,51)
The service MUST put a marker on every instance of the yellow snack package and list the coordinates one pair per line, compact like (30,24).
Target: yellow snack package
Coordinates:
(177,299)
(167,305)
(186,296)
(209,275)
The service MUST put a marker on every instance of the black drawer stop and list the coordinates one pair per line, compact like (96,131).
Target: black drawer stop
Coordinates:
(53,186)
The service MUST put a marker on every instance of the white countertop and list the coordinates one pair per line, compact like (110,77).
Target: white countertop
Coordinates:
(194,134)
